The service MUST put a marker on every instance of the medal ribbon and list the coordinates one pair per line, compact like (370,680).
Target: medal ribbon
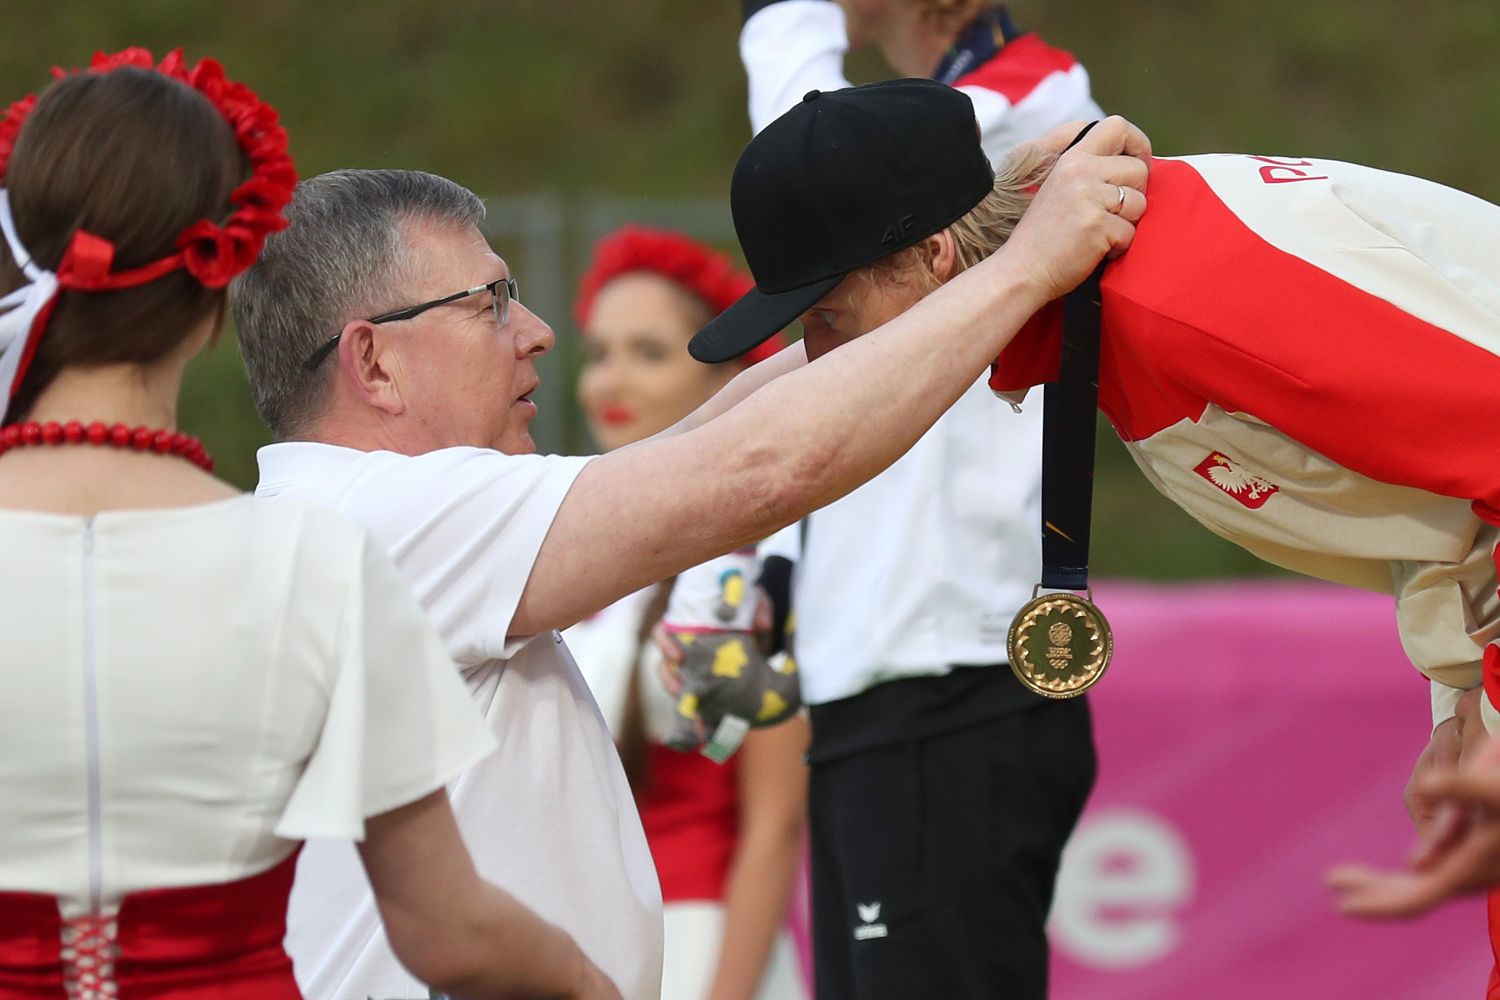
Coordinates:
(1068,422)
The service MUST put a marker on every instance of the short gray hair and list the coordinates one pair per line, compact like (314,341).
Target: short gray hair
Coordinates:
(343,255)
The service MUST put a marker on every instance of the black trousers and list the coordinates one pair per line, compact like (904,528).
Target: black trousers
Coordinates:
(934,859)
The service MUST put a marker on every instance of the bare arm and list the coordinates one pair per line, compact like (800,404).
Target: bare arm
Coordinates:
(787,359)
(773,812)
(645,512)
(454,930)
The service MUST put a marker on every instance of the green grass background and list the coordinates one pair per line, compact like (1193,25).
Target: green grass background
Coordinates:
(585,102)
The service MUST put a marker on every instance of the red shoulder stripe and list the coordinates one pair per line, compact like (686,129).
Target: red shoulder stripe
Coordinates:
(1017,69)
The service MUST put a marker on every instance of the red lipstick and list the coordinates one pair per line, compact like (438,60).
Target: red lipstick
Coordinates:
(614,415)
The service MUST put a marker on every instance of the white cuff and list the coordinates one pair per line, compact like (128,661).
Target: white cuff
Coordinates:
(1444,703)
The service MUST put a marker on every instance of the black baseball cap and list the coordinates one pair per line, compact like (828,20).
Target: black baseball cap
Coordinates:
(844,179)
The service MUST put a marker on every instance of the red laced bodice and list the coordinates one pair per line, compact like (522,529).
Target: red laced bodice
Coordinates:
(209,942)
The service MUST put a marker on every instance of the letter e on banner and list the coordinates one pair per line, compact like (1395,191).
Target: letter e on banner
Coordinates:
(1125,876)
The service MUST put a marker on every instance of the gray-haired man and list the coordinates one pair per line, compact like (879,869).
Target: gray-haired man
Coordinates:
(389,355)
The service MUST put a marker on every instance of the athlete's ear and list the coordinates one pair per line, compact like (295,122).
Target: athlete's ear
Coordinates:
(941,254)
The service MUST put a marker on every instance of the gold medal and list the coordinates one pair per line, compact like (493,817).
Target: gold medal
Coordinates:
(1060,644)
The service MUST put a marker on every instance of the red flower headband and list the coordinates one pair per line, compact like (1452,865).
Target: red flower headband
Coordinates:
(682,261)
(212,253)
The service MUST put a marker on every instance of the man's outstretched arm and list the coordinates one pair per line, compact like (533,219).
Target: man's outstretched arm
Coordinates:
(642,513)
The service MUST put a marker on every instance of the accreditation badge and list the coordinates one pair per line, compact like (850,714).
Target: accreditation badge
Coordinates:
(1060,644)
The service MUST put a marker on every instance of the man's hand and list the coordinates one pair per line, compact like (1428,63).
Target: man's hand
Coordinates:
(1445,821)
(672,653)
(1440,754)
(1059,138)
(590,982)
(1456,804)
(671,659)
(1086,208)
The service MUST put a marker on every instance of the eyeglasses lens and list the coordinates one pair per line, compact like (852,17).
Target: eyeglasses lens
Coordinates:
(504,292)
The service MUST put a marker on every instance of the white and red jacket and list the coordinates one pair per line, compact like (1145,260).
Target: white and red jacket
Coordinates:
(1302,354)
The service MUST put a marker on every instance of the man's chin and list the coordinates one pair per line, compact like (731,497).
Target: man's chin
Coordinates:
(516,443)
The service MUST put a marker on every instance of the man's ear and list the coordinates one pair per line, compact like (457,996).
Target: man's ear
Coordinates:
(370,365)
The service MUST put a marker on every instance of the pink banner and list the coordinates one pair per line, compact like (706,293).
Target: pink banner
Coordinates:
(1250,736)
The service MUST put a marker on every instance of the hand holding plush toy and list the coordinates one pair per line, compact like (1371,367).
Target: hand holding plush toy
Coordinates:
(728,686)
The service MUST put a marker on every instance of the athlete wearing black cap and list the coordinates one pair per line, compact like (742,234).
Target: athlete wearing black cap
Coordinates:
(877,168)
(942,792)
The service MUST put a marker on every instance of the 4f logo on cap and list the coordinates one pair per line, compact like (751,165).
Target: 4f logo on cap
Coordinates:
(897,230)
(1250,490)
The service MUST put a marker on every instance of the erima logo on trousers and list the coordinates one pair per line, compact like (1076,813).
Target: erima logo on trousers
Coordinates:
(869,913)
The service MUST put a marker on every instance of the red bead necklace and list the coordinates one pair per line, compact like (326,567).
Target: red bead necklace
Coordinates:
(162,442)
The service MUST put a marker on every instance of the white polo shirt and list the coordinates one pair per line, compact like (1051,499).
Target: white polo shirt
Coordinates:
(549,817)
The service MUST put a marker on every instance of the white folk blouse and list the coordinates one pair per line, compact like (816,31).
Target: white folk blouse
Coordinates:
(189,692)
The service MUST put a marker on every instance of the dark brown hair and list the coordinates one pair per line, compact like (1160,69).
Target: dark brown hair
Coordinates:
(134,157)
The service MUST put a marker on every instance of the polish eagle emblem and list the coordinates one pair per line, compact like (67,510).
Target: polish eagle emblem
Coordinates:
(1250,489)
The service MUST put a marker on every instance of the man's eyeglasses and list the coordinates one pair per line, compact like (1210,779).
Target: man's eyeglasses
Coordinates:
(503,291)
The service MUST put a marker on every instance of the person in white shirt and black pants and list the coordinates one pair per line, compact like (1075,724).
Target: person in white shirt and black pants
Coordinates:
(942,791)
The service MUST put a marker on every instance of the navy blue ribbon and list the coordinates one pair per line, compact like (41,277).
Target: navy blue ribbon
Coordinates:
(1068,423)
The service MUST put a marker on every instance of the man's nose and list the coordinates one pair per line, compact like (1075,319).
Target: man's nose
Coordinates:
(533,336)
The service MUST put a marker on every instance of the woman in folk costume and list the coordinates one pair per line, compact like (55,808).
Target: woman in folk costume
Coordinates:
(195,681)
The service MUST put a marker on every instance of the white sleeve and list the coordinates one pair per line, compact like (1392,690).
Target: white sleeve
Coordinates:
(789,48)
(1444,702)
(399,723)
(464,526)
